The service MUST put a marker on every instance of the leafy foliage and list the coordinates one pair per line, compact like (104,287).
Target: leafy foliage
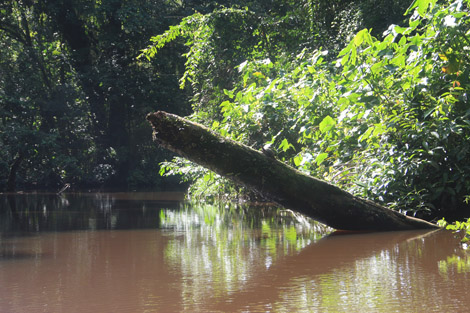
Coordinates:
(458,227)
(386,119)
(73,96)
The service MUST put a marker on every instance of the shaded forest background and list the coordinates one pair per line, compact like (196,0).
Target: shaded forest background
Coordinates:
(354,92)
(73,95)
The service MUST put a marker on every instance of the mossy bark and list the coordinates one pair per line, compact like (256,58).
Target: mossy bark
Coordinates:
(275,180)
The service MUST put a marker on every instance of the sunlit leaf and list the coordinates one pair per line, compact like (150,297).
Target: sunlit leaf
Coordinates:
(285,145)
(327,124)
(321,157)
(298,160)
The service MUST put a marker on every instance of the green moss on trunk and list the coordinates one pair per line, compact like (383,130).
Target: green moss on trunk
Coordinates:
(275,180)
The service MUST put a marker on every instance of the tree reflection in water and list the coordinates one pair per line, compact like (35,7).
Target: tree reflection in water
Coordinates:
(234,261)
(143,252)
(219,248)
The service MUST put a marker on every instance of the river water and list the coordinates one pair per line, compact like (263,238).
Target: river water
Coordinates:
(153,252)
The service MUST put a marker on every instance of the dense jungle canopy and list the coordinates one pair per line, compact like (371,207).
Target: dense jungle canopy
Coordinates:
(371,95)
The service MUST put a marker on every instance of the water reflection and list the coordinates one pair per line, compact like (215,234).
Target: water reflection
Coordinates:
(148,255)
(27,213)
(220,249)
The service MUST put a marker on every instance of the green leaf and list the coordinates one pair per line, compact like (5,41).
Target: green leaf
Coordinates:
(367,134)
(229,93)
(298,160)
(362,36)
(285,145)
(321,157)
(208,177)
(413,5)
(327,124)
(422,6)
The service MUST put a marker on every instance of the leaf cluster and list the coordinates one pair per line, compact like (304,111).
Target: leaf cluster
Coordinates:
(385,119)
(458,226)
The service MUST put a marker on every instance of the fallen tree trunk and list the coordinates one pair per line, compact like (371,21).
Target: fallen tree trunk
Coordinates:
(275,180)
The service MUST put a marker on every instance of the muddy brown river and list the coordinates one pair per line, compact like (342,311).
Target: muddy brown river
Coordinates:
(154,252)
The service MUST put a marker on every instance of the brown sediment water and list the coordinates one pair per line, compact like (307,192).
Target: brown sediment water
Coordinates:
(108,253)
